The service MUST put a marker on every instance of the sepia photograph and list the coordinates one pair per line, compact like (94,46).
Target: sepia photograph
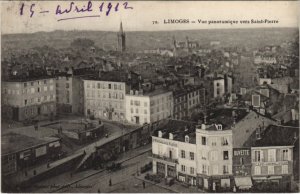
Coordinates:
(149,96)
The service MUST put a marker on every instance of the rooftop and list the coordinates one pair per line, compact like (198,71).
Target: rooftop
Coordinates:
(114,76)
(275,135)
(13,142)
(179,129)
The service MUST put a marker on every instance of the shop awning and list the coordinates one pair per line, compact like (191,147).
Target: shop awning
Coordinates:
(243,182)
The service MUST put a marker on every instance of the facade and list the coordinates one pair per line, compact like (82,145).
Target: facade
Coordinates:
(148,107)
(121,39)
(186,99)
(29,99)
(175,156)
(274,152)
(214,154)
(104,99)
(70,91)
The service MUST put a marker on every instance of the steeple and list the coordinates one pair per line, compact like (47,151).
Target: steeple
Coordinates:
(121,39)
(121,28)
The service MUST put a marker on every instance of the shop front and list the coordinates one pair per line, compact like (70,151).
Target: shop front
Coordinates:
(272,184)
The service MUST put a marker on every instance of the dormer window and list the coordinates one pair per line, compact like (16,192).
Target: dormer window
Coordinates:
(187,139)
(219,127)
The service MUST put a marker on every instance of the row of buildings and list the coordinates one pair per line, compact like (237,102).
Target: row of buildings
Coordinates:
(115,95)
(239,149)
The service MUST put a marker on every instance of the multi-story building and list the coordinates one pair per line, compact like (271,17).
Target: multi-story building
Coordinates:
(174,152)
(273,157)
(104,94)
(201,155)
(148,107)
(29,98)
(69,91)
(214,154)
(186,99)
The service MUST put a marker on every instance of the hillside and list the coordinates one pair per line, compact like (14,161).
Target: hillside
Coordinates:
(146,40)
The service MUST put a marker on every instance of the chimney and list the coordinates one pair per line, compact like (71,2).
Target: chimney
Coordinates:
(295,136)
(99,74)
(171,137)
(159,134)
(203,126)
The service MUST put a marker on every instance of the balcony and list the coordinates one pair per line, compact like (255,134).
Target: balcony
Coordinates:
(164,158)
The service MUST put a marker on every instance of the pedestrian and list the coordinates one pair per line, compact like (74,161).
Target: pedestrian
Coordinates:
(99,191)
(110,184)
(144,184)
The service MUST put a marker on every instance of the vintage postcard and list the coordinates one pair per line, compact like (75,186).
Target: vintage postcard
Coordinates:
(149,96)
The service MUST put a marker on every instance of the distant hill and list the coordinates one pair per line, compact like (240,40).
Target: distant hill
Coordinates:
(252,38)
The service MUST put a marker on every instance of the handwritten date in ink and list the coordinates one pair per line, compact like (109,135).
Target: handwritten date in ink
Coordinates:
(73,7)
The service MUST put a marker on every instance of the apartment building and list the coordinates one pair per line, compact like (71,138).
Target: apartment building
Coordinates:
(104,94)
(214,154)
(148,107)
(274,152)
(29,98)
(70,91)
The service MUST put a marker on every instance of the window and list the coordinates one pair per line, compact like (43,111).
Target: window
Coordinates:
(270,169)
(88,85)
(204,169)
(182,168)
(115,86)
(285,155)
(145,104)
(213,141)
(137,103)
(131,110)
(67,85)
(136,110)
(225,169)
(145,112)
(192,170)
(285,169)
(225,155)
(182,154)
(224,141)
(109,86)
(25,102)
(272,155)
(131,102)
(45,81)
(98,85)
(192,155)
(257,156)
(203,140)
(38,89)
(25,85)
(257,170)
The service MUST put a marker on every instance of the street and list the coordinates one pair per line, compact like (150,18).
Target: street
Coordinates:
(122,181)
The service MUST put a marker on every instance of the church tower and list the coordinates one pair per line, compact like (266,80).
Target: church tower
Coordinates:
(121,39)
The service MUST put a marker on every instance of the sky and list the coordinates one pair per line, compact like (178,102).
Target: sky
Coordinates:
(141,17)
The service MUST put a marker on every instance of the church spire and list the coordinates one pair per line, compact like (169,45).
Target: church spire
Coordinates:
(121,28)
